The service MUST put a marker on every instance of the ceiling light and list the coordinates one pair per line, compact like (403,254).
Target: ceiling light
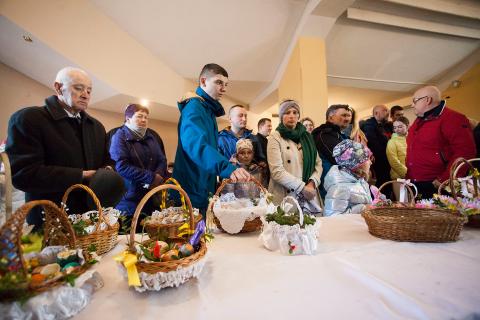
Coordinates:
(27,38)
(144,102)
(456,83)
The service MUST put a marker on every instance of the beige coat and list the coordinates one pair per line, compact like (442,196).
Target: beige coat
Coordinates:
(286,165)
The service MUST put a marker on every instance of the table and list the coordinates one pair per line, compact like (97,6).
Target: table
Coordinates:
(353,276)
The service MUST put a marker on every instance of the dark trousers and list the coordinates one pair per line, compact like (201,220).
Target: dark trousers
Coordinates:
(425,189)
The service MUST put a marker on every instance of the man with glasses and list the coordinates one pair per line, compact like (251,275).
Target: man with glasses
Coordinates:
(438,136)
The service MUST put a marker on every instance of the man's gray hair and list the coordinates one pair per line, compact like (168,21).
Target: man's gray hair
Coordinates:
(63,76)
(334,107)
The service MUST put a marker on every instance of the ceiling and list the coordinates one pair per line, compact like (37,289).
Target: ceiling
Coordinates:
(376,50)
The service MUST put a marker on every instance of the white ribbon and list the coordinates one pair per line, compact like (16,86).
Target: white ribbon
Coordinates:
(403,189)
(464,188)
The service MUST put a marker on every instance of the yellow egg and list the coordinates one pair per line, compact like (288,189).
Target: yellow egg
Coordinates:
(170,255)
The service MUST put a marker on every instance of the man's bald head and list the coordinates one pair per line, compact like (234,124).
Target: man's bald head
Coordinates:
(425,99)
(380,113)
(73,87)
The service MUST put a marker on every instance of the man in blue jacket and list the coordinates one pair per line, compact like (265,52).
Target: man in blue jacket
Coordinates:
(198,161)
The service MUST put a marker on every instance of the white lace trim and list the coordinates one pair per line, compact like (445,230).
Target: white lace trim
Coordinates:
(59,303)
(158,281)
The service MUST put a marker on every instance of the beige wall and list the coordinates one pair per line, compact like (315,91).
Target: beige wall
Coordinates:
(18,90)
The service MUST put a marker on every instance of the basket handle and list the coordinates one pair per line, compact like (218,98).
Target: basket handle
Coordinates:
(8,185)
(11,231)
(227,181)
(454,169)
(94,198)
(408,185)
(173,181)
(295,201)
(144,200)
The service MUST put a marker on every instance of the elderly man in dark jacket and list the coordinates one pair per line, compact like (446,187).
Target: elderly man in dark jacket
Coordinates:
(57,145)
(329,134)
(378,132)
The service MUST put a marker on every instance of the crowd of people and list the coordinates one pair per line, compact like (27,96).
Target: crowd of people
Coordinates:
(329,169)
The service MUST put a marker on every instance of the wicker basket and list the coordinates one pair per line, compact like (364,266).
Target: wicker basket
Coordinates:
(57,231)
(103,240)
(8,185)
(167,266)
(166,230)
(473,220)
(249,225)
(408,223)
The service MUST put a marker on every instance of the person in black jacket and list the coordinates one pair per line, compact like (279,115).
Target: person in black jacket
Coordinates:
(57,145)
(378,133)
(264,129)
(329,134)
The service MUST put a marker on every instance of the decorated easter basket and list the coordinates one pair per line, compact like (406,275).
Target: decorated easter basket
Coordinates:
(57,232)
(160,229)
(238,220)
(406,222)
(465,189)
(102,241)
(7,185)
(154,276)
(290,233)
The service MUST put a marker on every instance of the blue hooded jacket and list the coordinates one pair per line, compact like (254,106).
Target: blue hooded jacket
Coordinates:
(227,141)
(198,161)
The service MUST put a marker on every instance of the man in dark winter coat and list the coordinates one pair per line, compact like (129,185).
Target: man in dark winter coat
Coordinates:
(329,134)
(57,145)
(378,132)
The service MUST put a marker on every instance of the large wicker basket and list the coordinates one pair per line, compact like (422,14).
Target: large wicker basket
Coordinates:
(167,266)
(102,240)
(166,230)
(473,220)
(57,231)
(249,225)
(407,223)
(7,185)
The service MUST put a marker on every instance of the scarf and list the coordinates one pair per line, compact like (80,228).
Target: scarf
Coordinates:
(138,131)
(300,135)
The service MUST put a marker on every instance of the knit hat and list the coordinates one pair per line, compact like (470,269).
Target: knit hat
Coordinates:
(351,154)
(244,144)
(285,105)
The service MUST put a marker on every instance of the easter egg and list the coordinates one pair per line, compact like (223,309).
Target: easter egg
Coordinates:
(37,279)
(50,269)
(170,255)
(67,256)
(69,267)
(186,249)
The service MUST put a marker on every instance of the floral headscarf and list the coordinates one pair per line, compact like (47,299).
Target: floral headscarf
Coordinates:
(351,154)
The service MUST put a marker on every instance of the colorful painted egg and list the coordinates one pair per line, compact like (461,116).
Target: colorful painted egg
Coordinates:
(186,249)
(67,256)
(69,267)
(170,255)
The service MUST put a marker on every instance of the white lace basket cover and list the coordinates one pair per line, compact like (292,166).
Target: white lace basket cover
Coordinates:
(232,212)
(290,240)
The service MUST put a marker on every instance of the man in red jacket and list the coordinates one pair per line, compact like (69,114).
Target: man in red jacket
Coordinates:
(438,136)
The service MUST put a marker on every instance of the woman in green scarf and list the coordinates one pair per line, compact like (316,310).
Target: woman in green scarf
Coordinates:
(295,166)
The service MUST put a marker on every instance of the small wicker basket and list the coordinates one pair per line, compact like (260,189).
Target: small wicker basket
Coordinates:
(166,266)
(57,231)
(166,230)
(407,223)
(473,220)
(102,240)
(249,225)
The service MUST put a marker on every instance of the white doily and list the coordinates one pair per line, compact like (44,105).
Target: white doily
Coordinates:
(233,212)
(158,281)
(61,302)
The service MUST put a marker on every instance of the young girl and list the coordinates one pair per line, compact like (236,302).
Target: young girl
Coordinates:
(397,151)
(346,183)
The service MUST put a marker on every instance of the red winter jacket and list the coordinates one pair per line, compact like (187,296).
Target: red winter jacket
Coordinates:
(435,141)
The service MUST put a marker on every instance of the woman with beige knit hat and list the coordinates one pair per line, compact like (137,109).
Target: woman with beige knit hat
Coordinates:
(295,166)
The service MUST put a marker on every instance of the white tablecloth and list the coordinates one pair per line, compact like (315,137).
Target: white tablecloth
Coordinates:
(353,276)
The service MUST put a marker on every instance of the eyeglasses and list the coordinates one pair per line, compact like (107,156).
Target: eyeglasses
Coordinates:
(415,100)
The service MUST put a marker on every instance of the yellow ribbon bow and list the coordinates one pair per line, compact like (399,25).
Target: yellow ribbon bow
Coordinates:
(129,261)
